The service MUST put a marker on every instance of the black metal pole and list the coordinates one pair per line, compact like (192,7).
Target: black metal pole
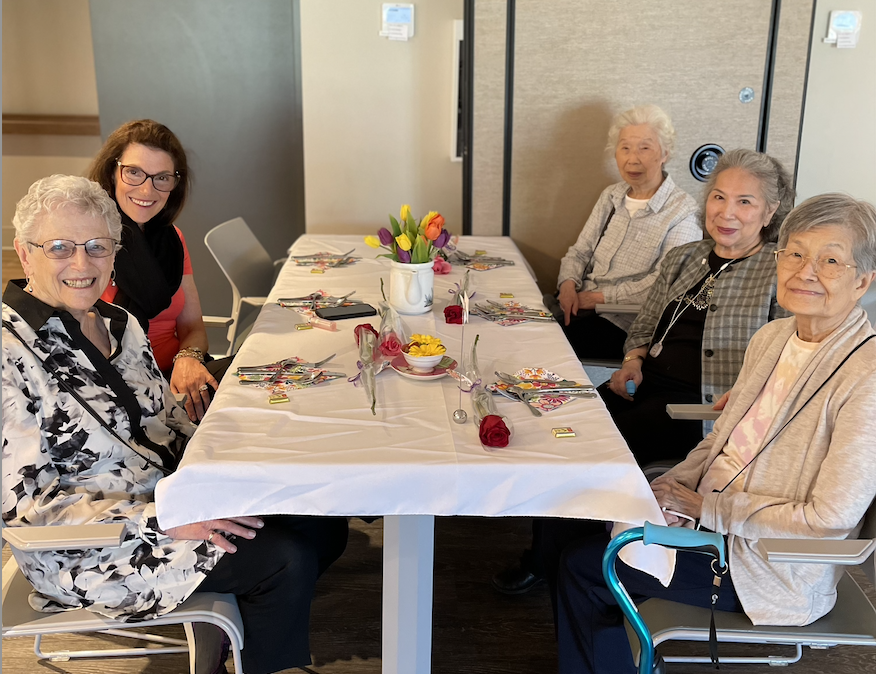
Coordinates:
(467,113)
(768,76)
(509,117)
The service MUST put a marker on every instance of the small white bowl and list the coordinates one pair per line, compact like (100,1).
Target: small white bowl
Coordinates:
(422,364)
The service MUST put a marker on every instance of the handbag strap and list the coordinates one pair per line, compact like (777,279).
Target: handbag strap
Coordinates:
(136,429)
(605,224)
(775,435)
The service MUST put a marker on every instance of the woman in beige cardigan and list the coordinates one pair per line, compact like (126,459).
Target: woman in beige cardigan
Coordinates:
(791,456)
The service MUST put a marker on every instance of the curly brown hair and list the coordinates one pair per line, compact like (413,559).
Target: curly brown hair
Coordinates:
(151,134)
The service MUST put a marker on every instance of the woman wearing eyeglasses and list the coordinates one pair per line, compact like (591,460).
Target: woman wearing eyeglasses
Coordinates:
(89,429)
(791,456)
(143,167)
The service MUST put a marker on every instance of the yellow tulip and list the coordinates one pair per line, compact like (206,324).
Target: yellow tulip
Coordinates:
(403,241)
(372,241)
(405,213)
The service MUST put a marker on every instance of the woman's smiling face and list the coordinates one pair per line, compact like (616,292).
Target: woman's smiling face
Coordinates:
(143,202)
(75,283)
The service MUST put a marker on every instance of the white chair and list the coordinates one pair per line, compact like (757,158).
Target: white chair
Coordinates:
(19,619)
(248,268)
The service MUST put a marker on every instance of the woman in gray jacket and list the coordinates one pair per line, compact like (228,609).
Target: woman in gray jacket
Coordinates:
(791,455)
(686,344)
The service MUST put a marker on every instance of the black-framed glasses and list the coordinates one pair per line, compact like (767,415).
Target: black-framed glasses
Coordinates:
(825,267)
(61,249)
(134,176)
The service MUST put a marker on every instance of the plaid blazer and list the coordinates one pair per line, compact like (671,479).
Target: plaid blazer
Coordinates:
(744,300)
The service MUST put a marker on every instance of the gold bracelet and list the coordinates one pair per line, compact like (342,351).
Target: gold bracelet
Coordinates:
(627,359)
(190,352)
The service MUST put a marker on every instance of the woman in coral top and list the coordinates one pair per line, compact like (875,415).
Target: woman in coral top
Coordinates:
(143,167)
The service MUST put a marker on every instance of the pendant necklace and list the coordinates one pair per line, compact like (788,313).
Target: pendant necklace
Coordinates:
(700,300)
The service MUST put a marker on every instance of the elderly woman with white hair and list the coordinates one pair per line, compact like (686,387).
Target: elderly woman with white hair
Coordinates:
(790,457)
(632,226)
(89,427)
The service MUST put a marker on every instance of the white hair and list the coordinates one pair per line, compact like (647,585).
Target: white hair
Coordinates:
(653,116)
(59,191)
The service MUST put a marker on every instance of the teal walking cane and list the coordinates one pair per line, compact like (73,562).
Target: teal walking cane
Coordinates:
(704,542)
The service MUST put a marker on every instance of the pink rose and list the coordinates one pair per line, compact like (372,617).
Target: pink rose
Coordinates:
(390,345)
(442,266)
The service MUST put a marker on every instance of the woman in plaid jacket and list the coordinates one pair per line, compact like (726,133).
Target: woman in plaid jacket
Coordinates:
(711,296)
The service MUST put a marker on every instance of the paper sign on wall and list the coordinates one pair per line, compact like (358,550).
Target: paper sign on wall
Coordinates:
(843,29)
(398,21)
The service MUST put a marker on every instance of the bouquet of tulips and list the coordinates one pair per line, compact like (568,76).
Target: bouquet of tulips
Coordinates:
(409,241)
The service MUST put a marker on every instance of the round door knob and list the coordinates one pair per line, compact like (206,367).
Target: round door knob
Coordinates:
(704,160)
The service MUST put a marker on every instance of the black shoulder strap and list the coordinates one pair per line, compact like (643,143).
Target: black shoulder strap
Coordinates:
(136,429)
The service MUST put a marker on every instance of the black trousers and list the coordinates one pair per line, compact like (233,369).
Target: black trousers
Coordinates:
(591,335)
(590,632)
(273,577)
(649,431)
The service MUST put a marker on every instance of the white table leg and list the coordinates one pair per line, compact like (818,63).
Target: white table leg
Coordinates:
(408,551)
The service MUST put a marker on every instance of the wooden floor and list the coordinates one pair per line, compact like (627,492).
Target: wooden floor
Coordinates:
(476,630)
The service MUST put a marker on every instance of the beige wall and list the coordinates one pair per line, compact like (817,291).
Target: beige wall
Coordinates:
(838,147)
(377,116)
(48,69)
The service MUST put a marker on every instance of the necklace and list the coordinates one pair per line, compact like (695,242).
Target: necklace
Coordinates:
(700,301)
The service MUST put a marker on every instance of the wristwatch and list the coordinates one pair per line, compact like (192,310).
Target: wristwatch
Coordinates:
(627,359)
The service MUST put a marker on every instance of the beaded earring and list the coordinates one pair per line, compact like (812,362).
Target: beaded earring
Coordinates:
(29,286)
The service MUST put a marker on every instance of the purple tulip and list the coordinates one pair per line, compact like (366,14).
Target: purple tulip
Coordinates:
(442,239)
(403,255)
(385,236)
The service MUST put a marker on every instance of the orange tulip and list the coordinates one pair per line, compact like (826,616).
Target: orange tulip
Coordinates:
(433,223)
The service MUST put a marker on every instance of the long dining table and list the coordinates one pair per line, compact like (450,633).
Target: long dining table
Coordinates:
(325,453)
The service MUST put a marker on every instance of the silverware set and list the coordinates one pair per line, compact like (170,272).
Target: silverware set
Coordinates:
(458,257)
(318,301)
(546,387)
(495,311)
(287,370)
(342,260)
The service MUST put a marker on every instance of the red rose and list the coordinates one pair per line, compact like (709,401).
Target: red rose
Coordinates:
(494,432)
(391,345)
(364,327)
(453,314)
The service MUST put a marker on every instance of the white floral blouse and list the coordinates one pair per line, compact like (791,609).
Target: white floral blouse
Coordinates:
(61,467)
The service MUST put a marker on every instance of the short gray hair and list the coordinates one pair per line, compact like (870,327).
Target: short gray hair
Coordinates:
(58,191)
(841,210)
(774,180)
(653,116)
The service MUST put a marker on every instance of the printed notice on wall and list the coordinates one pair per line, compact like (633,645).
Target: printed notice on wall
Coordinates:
(843,29)
(397,21)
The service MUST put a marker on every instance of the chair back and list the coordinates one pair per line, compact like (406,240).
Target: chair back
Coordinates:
(243,260)
(868,530)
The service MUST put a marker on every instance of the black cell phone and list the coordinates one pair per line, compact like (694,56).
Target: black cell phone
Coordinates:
(353,311)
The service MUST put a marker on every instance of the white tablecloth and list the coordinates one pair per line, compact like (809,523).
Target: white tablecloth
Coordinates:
(323,453)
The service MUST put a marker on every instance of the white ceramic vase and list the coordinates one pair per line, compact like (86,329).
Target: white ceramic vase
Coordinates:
(411,287)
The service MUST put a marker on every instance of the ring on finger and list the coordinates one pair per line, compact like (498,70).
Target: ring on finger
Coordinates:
(210,537)
(203,387)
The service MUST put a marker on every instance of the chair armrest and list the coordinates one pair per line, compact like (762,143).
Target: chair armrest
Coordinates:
(180,398)
(217,321)
(702,412)
(280,262)
(254,301)
(65,537)
(849,552)
(618,308)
